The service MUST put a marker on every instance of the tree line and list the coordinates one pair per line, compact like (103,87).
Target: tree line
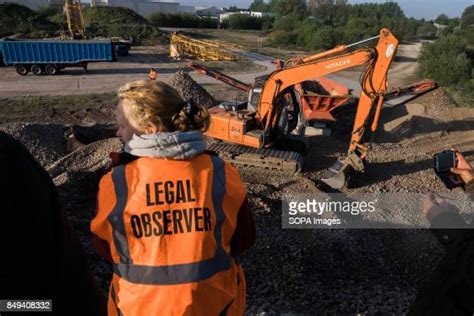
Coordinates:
(322,24)
(450,59)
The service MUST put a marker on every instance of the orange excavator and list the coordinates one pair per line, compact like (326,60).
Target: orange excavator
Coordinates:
(251,133)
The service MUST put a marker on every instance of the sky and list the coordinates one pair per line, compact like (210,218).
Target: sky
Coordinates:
(428,9)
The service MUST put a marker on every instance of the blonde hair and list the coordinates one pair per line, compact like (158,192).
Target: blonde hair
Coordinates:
(157,104)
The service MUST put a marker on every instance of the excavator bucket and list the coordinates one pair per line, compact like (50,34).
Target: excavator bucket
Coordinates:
(336,175)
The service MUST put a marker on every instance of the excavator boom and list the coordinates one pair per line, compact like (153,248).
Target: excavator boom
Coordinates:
(220,76)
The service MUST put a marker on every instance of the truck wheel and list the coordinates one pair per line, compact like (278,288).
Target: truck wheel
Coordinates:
(51,70)
(36,70)
(22,70)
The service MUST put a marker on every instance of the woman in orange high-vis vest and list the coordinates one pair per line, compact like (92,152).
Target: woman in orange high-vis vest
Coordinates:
(171,219)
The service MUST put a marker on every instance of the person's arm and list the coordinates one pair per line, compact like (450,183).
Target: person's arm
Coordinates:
(446,225)
(245,231)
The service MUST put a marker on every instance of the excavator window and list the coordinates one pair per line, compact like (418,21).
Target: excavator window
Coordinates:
(255,98)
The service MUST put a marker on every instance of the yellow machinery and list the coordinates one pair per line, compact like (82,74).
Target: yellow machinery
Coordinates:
(75,20)
(184,46)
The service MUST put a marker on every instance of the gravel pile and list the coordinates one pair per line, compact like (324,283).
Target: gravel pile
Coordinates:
(46,142)
(190,89)
(439,98)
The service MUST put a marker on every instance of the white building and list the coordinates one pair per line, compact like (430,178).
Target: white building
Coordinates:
(32,4)
(256,14)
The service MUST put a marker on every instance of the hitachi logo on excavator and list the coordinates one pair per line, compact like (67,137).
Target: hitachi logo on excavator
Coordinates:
(338,64)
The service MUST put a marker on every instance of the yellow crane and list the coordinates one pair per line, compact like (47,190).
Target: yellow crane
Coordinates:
(75,19)
(184,46)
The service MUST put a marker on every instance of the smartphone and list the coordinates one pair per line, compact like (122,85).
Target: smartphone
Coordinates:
(443,162)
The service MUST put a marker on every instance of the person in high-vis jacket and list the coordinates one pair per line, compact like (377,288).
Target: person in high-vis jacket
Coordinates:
(171,218)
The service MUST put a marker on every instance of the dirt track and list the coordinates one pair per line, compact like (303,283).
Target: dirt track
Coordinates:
(289,271)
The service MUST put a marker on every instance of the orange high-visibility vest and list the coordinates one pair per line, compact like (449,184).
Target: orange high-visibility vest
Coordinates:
(169,225)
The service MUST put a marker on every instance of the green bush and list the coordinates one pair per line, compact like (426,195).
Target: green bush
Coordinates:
(283,38)
(332,24)
(445,61)
(161,19)
(244,22)
(314,36)
(467,18)
(259,5)
(289,7)
(426,29)
(287,23)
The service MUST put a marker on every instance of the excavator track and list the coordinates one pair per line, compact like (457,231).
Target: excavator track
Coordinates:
(267,158)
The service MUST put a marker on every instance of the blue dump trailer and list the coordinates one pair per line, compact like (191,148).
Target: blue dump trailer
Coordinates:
(50,56)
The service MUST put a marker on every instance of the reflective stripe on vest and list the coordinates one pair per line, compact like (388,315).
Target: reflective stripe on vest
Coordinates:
(171,274)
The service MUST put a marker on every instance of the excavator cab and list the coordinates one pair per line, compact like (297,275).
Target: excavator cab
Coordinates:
(255,91)
(254,98)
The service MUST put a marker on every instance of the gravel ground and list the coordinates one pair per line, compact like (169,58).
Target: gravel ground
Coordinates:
(298,271)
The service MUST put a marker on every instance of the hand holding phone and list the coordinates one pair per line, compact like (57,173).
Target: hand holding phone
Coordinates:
(463,169)
(443,162)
